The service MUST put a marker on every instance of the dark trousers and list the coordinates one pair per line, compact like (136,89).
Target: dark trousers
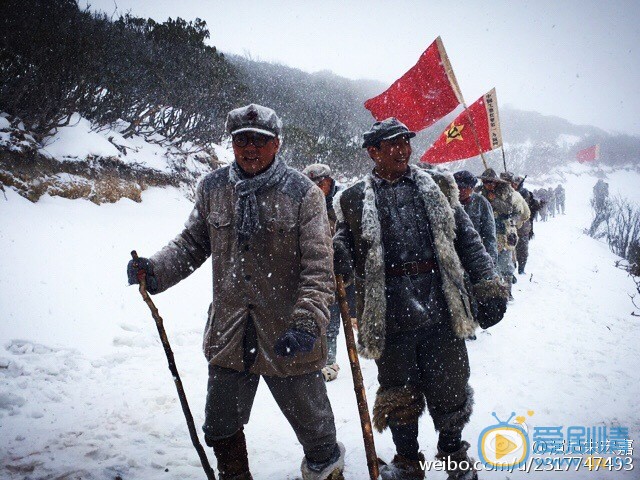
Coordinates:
(522,247)
(436,364)
(302,399)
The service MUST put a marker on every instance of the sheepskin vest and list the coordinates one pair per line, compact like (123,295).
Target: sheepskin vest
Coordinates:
(357,207)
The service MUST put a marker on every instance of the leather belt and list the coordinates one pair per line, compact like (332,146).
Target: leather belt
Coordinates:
(411,268)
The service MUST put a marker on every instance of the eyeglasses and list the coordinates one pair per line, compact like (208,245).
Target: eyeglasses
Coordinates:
(257,140)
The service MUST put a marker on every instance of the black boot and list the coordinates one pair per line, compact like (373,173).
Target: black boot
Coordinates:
(408,462)
(231,452)
(453,462)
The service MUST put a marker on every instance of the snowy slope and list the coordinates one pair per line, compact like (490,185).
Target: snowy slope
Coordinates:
(82,138)
(85,391)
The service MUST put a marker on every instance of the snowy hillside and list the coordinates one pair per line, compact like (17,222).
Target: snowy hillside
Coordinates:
(99,163)
(85,391)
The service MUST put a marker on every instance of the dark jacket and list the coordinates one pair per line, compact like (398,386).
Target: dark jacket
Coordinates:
(481,214)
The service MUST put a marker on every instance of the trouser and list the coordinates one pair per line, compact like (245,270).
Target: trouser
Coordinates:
(302,399)
(427,365)
(522,247)
(505,265)
(334,323)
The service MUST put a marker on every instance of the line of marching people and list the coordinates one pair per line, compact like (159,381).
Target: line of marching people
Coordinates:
(552,201)
(502,210)
(400,234)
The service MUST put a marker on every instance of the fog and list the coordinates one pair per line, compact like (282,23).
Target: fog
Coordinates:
(574,59)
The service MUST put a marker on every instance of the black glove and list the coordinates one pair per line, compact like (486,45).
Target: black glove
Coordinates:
(531,234)
(512,239)
(294,341)
(491,311)
(143,265)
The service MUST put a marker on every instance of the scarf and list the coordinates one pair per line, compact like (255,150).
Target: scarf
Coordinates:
(247,217)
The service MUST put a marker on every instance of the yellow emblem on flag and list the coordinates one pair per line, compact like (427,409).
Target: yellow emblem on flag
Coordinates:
(454,132)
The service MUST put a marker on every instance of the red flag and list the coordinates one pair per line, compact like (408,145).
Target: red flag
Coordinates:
(475,130)
(423,95)
(588,154)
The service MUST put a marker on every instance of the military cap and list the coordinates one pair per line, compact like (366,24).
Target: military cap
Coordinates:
(254,118)
(385,130)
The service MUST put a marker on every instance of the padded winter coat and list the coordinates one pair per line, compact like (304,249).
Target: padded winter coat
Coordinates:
(508,212)
(281,276)
(481,215)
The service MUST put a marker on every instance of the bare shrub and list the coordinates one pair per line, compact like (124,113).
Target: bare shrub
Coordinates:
(623,227)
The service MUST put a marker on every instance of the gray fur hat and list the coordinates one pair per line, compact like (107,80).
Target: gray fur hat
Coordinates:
(317,171)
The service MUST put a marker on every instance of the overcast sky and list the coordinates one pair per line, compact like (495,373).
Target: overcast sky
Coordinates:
(575,59)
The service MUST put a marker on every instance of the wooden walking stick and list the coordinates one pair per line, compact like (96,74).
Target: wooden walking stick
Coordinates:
(358,384)
(174,370)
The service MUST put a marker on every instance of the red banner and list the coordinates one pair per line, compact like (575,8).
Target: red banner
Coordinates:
(423,95)
(588,154)
(475,130)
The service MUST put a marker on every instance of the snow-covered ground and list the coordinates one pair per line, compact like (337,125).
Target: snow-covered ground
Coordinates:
(85,391)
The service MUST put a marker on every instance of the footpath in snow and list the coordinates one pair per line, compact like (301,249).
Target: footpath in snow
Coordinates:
(85,391)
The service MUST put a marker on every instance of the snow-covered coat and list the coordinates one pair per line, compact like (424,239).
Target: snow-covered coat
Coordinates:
(358,245)
(507,212)
(282,276)
(523,210)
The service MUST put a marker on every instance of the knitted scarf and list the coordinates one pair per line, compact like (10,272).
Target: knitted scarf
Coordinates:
(247,217)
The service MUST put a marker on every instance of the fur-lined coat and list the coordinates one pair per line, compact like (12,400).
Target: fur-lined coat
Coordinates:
(508,211)
(457,246)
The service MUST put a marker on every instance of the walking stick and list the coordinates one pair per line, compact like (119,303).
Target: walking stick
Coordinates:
(174,370)
(358,384)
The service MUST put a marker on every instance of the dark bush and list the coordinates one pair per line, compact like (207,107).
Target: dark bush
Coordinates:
(160,78)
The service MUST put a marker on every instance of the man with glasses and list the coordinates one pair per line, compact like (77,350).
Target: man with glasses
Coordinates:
(265,226)
(409,246)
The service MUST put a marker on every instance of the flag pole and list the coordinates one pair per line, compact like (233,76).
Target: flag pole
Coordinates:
(504,160)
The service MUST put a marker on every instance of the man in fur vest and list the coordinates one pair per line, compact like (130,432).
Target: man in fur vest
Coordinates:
(409,246)
(521,220)
(265,226)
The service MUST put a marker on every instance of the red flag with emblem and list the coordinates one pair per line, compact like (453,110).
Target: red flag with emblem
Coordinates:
(423,95)
(588,154)
(475,130)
